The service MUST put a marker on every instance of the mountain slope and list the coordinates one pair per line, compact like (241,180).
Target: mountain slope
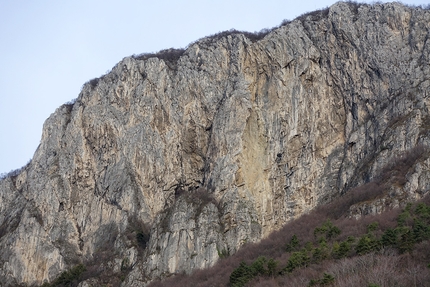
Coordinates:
(171,160)
(324,249)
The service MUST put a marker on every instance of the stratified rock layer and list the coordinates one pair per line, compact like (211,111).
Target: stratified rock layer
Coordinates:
(221,146)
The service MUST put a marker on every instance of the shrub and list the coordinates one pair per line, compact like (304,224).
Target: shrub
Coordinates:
(296,260)
(326,280)
(384,267)
(224,253)
(406,241)
(69,278)
(341,250)
(320,253)
(293,244)
(366,244)
(353,6)
(245,273)
(314,15)
(421,231)
(372,227)
(125,264)
(251,36)
(285,22)
(71,102)
(395,171)
(14,173)
(93,83)
(422,210)
(403,218)
(341,206)
(138,232)
(389,238)
(272,266)
(328,230)
(169,56)
(241,275)
(200,197)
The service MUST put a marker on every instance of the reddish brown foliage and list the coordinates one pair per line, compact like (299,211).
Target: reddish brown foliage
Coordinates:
(274,247)
(395,171)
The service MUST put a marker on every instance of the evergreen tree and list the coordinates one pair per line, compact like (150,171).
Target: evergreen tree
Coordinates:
(389,238)
(293,244)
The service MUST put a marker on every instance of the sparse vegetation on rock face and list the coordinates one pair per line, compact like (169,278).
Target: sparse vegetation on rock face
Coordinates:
(176,160)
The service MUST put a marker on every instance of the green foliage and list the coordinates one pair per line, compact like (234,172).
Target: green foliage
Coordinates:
(244,273)
(328,230)
(389,238)
(320,253)
(224,253)
(335,248)
(241,275)
(125,264)
(341,250)
(322,240)
(408,207)
(293,244)
(309,246)
(67,278)
(327,279)
(422,210)
(296,260)
(366,244)
(406,241)
(344,249)
(413,227)
(257,267)
(350,239)
(421,231)
(403,217)
(372,227)
(272,266)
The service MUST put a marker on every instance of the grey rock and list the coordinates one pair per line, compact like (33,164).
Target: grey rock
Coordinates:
(221,146)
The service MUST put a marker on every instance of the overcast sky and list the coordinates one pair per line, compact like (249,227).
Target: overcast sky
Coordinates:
(49,49)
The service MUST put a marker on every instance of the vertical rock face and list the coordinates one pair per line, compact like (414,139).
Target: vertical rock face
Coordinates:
(220,146)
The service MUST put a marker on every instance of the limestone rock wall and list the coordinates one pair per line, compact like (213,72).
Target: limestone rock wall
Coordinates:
(221,146)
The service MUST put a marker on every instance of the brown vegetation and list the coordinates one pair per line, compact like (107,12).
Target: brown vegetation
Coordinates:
(138,233)
(170,56)
(14,173)
(351,269)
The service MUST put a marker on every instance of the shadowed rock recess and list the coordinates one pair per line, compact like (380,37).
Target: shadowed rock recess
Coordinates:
(173,160)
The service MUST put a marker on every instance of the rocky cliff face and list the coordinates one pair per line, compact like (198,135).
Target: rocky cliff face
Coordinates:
(166,164)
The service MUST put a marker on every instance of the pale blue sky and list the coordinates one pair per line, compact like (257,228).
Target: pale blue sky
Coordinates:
(50,48)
